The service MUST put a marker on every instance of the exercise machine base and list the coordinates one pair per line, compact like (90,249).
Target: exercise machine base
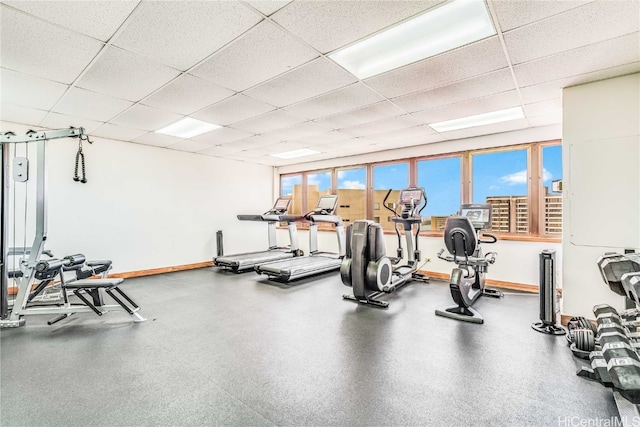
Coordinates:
(369,301)
(548,329)
(466,314)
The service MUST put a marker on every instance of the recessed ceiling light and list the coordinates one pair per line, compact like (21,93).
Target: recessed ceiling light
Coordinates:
(479,120)
(438,30)
(187,128)
(295,153)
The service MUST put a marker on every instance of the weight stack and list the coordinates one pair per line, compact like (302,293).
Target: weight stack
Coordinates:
(547,324)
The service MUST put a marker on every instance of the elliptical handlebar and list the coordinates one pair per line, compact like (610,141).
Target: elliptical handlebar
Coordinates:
(384,202)
(424,195)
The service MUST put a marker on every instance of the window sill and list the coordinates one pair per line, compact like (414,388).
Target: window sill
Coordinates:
(440,234)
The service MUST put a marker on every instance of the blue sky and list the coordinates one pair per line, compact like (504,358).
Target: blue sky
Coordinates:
(494,174)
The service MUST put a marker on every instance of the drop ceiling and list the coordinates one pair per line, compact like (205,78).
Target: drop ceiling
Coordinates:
(261,69)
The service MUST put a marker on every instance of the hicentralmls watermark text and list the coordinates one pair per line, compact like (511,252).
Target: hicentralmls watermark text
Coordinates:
(576,421)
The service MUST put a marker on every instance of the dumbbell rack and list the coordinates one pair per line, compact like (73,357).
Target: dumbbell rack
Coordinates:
(615,358)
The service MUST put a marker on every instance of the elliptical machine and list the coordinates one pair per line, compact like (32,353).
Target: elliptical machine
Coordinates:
(366,267)
(462,239)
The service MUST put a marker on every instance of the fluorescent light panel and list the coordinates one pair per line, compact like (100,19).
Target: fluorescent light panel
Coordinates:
(188,128)
(444,28)
(479,120)
(295,153)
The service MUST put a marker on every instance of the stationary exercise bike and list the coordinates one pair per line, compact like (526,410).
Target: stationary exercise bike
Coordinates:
(366,267)
(462,239)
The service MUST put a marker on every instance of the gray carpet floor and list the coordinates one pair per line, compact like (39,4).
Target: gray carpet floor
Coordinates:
(225,349)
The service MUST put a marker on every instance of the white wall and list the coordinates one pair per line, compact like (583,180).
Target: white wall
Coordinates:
(517,261)
(146,207)
(601,158)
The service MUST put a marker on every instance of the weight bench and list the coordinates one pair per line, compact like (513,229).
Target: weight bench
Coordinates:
(82,285)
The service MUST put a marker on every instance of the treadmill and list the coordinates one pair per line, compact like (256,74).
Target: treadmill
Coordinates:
(246,261)
(316,262)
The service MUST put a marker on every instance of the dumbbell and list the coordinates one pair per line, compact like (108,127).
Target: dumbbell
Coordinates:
(598,369)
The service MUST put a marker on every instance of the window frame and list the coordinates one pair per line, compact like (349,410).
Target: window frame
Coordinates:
(535,185)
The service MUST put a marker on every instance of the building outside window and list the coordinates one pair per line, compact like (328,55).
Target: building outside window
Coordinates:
(394,177)
(500,178)
(352,185)
(440,179)
(552,201)
(291,186)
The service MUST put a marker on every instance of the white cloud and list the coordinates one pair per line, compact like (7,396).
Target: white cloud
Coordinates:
(341,174)
(352,185)
(515,178)
(546,175)
(494,187)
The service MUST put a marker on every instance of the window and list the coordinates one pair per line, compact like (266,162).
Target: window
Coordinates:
(387,177)
(498,176)
(352,184)
(291,186)
(551,201)
(501,179)
(318,184)
(440,179)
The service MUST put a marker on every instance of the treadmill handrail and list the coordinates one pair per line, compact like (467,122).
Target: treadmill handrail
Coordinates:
(332,219)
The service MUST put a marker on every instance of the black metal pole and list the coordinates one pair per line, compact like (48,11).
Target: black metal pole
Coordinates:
(4,198)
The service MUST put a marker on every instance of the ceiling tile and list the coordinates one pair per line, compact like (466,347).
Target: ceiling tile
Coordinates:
(411,141)
(157,139)
(282,147)
(312,79)
(19,114)
(252,142)
(543,108)
(367,114)
(468,61)
(381,126)
(29,91)
(486,129)
(475,87)
(182,33)
(610,53)
(126,75)
(235,109)
(98,19)
(219,151)
(267,122)
(34,47)
(187,94)
(189,145)
(222,135)
(577,27)
(323,138)
(327,25)
(92,105)
(546,119)
(268,6)
(469,108)
(146,118)
(120,133)
(268,49)
(297,131)
(347,98)
(516,13)
(61,121)
(421,131)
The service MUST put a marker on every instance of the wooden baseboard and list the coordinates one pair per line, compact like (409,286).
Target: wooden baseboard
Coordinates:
(494,283)
(153,271)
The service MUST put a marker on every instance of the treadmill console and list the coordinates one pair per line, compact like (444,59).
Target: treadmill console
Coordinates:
(478,214)
(281,206)
(326,205)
